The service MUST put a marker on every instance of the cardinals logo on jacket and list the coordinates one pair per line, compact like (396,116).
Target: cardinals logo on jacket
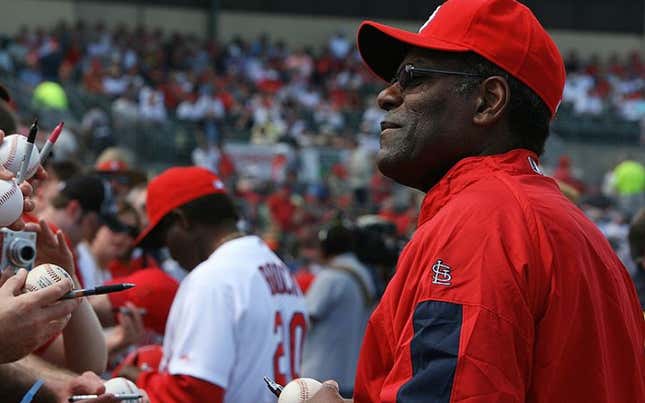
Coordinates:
(442,274)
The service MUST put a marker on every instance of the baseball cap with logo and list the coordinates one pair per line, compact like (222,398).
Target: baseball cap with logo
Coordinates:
(504,32)
(173,188)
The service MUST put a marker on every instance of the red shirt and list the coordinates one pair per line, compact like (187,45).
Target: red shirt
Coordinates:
(155,292)
(506,293)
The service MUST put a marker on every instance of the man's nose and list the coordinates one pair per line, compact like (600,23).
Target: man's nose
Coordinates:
(390,97)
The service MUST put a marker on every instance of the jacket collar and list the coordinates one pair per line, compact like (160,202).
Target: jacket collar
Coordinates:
(471,169)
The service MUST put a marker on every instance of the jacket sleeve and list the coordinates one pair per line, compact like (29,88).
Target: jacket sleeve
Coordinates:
(470,334)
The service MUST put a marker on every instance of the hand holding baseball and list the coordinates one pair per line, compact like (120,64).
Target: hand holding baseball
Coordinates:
(26,190)
(307,390)
(90,384)
(328,393)
(30,319)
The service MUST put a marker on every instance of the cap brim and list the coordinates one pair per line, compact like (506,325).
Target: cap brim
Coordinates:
(383,48)
(149,237)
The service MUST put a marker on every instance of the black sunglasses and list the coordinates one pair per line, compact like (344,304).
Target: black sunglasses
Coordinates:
(409,72)
(115,225)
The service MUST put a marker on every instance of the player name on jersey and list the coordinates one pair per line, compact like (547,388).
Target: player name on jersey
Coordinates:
(279,279)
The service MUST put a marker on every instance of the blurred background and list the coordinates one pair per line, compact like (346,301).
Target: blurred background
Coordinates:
(272,95)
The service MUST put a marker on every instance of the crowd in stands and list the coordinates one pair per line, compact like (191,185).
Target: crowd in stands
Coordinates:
(259,86)
(616,85)
(301,97)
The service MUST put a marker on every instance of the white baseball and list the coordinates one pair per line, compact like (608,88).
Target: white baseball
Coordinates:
(12,151)
(119,385)
(299,390)
(45,275)
(11,202)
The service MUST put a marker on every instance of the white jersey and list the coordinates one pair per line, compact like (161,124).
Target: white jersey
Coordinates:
(237,317)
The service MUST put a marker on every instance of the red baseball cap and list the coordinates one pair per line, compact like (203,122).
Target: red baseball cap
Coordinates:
(112,166)
(154,292)
(504,32)
(173,188)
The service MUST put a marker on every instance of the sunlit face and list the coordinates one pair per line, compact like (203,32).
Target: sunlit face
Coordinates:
(426,125)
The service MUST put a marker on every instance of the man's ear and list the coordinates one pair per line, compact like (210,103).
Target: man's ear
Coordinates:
(492,100)
(181,219)
(74,209)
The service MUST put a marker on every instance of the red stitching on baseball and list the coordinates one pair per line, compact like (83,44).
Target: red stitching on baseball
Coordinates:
(12,153)
(53,273)
(8,194)
(303,390)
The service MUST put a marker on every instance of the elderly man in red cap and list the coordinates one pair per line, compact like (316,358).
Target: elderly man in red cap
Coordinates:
(506,292)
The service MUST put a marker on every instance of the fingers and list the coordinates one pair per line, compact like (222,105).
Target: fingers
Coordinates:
(14,284)
(136,316)
(17,225)
(331,383)
(26,189)
(40,174)
(60,311)
(87,384)
(45,233)
(327,393)
(62,243)
(50,294)
(31,227)
(5,173)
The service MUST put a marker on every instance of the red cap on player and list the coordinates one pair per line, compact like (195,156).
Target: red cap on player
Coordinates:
(155,292)
(173,188)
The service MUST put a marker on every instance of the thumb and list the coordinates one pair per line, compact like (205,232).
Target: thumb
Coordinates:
(333,384)
(15,283)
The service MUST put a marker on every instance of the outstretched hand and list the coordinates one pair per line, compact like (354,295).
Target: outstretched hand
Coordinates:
(31,318)
(52,248)
(90,384)
(328,393)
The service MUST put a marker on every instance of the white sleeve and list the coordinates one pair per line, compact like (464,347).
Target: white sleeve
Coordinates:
(203,345)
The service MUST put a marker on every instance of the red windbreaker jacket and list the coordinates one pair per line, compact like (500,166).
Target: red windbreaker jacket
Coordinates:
(506,293)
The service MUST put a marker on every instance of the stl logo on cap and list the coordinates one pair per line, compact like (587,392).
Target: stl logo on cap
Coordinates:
(217,184)
(425,24)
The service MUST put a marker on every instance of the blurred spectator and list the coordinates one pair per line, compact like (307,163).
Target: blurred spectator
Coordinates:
(151,105)
(77,209)
(342,294)
(57,173)
(563,173)
(360,169)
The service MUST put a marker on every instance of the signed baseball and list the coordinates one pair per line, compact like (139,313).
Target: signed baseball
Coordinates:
(12,151)
(119,386)
(11,202)
(45,275)
(299,390)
